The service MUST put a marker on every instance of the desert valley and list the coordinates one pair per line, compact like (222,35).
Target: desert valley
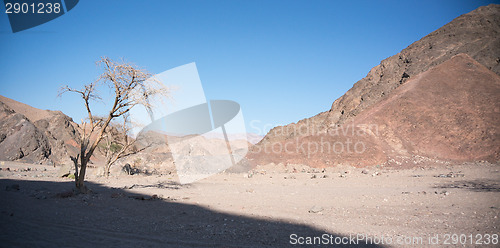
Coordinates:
(409,156)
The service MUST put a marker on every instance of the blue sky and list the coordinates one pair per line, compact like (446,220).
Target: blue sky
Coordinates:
(281,60)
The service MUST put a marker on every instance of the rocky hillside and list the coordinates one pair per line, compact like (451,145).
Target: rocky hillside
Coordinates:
(451,111)
(33,135)
(476,34)
(448,113)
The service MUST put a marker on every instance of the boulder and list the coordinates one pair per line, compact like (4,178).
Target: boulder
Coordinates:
(65,170)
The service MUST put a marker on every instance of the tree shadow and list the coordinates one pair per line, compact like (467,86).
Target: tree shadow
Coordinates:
(42,213)
(160,185)
(473,185)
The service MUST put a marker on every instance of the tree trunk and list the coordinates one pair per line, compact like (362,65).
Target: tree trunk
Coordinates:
(75,162)
(80,181)
(106,170)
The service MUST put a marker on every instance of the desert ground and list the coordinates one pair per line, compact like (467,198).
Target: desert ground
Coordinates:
(273,206)
(434,102)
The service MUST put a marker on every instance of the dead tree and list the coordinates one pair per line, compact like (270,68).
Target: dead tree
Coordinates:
(132,86)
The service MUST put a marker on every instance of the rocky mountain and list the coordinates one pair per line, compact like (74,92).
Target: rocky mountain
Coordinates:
(20,138)
(448,113)
(451,112)
(476,34)
(32,135)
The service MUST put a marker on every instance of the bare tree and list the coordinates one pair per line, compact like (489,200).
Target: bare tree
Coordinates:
(132,86)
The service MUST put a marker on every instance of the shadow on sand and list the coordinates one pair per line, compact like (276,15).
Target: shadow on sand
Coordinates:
(473,185)
(36,213)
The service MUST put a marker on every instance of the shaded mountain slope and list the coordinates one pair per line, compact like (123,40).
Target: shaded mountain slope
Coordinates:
(33,135)
(20,138)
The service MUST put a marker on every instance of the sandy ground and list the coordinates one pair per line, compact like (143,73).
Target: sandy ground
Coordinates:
(275,208)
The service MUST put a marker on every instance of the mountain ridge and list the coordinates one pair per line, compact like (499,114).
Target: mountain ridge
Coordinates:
(33,135)
(447,113)
(476,34)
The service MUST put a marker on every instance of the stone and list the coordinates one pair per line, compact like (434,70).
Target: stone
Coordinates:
(127,169)
(315,209)
(65,170)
